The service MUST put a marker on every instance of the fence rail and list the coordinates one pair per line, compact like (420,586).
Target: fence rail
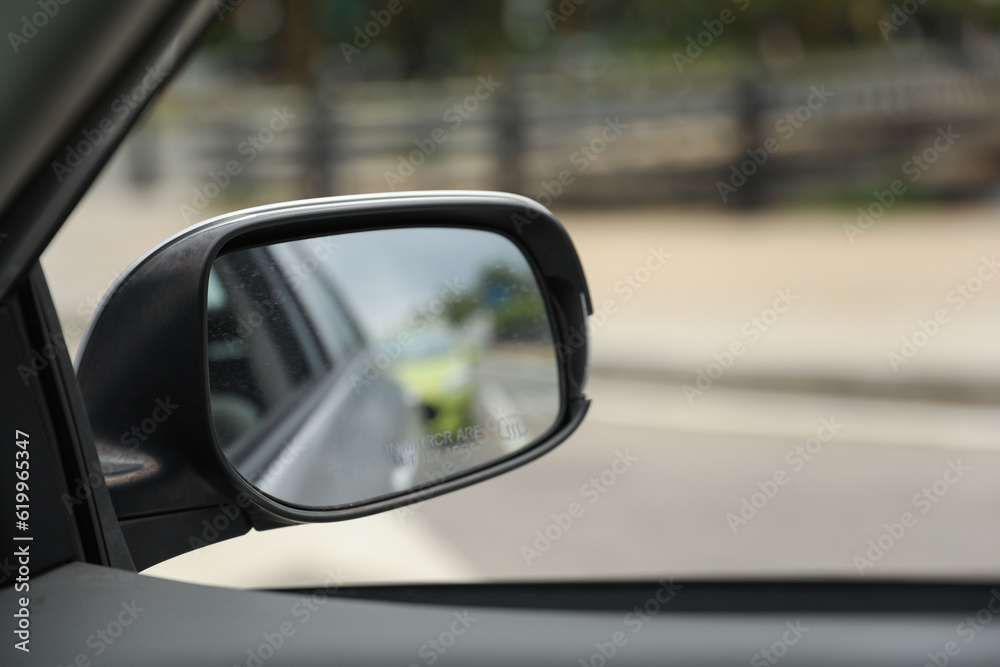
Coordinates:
(838,130)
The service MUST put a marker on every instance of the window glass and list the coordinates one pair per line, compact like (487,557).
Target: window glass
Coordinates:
(788,217)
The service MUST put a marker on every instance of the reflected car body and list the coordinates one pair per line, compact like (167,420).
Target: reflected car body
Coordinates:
(285,353)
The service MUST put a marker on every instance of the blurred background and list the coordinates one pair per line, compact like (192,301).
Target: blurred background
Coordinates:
(788,214)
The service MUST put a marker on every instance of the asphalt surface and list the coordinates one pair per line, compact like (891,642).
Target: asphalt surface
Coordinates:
(671,508)
(639,500)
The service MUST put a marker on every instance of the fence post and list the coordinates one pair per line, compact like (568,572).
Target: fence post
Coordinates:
(510,136)
(321,149)
(749,105)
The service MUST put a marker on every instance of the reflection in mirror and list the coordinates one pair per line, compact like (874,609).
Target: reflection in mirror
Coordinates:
(359,366)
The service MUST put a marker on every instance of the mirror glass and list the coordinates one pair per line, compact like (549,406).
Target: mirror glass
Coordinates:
(359,366)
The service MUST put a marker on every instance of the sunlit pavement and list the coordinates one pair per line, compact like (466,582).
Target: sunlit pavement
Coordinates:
(795,292)
(666,322)
(670,511)
(634,501)
(382,548)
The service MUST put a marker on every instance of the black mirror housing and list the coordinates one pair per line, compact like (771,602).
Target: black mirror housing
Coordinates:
(143,365)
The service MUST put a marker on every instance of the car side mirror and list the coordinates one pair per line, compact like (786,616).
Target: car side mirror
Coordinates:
(329,359)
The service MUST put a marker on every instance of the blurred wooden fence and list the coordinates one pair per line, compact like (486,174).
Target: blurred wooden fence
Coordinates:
(843,125)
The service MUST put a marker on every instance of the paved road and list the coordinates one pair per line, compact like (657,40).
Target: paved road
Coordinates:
(656,496)
(666,513)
